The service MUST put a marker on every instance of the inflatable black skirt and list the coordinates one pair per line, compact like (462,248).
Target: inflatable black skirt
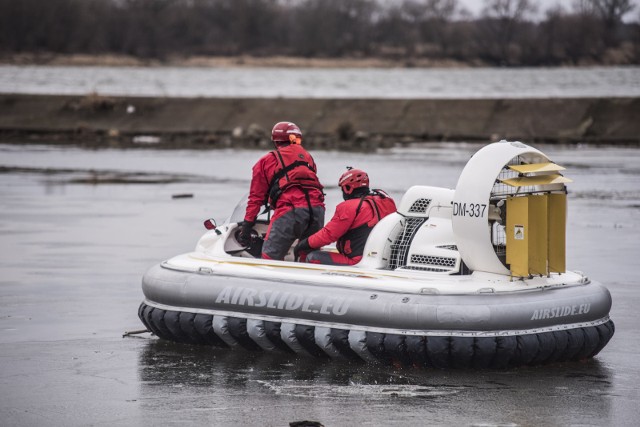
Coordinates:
(494,352)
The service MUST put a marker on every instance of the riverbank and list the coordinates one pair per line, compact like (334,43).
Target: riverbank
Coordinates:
(239,61)
(622,56)
(348,124)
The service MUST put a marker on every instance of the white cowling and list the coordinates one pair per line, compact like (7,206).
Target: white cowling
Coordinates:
(471,202)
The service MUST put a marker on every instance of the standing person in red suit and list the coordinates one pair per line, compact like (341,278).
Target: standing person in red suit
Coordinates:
(351,224)
(285,179)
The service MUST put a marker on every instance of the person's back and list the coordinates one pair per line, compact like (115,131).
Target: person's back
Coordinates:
(351,224)
(369,210)
(292,177)
(286,180)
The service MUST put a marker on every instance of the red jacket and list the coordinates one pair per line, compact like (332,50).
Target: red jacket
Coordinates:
(300,177)
(352,222)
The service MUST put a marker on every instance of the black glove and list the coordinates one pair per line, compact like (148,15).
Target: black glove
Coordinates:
(244,237)
(302,246)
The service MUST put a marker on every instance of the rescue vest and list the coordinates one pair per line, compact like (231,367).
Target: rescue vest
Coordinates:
(353,241)
(294,170)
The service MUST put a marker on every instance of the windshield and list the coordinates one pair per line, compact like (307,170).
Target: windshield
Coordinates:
(238,212)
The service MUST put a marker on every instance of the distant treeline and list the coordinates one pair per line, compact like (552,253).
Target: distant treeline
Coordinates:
(505,32)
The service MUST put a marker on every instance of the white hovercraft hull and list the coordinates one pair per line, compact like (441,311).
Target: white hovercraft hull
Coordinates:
(478,320)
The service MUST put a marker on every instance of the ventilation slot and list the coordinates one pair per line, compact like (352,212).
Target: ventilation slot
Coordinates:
(400,247)
(420,206)
(437,261)
(449,247)
(419,268)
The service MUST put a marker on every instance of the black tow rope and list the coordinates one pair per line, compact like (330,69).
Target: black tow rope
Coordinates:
(138,332)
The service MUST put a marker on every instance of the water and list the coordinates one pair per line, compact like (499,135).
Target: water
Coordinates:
(395,83)
(78,228)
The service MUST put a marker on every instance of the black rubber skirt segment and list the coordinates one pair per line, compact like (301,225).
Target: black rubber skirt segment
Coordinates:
(444,352)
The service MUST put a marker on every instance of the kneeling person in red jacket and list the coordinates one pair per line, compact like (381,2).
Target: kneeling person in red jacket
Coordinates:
(352,222)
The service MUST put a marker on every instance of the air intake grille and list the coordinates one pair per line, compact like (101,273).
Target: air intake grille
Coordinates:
(419,268)
(400,247)
(433,260)
(420,206)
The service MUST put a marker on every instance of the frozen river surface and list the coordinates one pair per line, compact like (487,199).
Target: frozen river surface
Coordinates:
(396,83)
(78,228)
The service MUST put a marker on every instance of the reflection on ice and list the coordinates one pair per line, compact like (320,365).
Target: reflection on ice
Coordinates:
(357,391)
(561,394)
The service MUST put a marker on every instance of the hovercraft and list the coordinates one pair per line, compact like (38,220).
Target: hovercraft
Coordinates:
(468,278)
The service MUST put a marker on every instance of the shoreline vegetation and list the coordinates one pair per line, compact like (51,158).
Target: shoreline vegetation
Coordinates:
(320,33)
(241,61)
(615,58)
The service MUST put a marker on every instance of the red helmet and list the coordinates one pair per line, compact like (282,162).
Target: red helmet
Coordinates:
(286,132)
(352,179)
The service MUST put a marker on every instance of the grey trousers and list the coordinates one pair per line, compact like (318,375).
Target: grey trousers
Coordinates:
(285,229)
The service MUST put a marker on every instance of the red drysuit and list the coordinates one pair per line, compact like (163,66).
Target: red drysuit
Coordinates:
(350,227)
(286,179)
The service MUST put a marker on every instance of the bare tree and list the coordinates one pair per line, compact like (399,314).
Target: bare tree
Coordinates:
(442,9)
(570,38)
(510,10)
(610,13)
(501,26)
(396,31)
(437,26)
(333,27)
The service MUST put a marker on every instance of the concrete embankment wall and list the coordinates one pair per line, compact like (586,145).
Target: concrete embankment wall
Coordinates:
(330,123)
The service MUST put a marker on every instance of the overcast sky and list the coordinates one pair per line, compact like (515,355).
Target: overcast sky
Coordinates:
(475,6)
